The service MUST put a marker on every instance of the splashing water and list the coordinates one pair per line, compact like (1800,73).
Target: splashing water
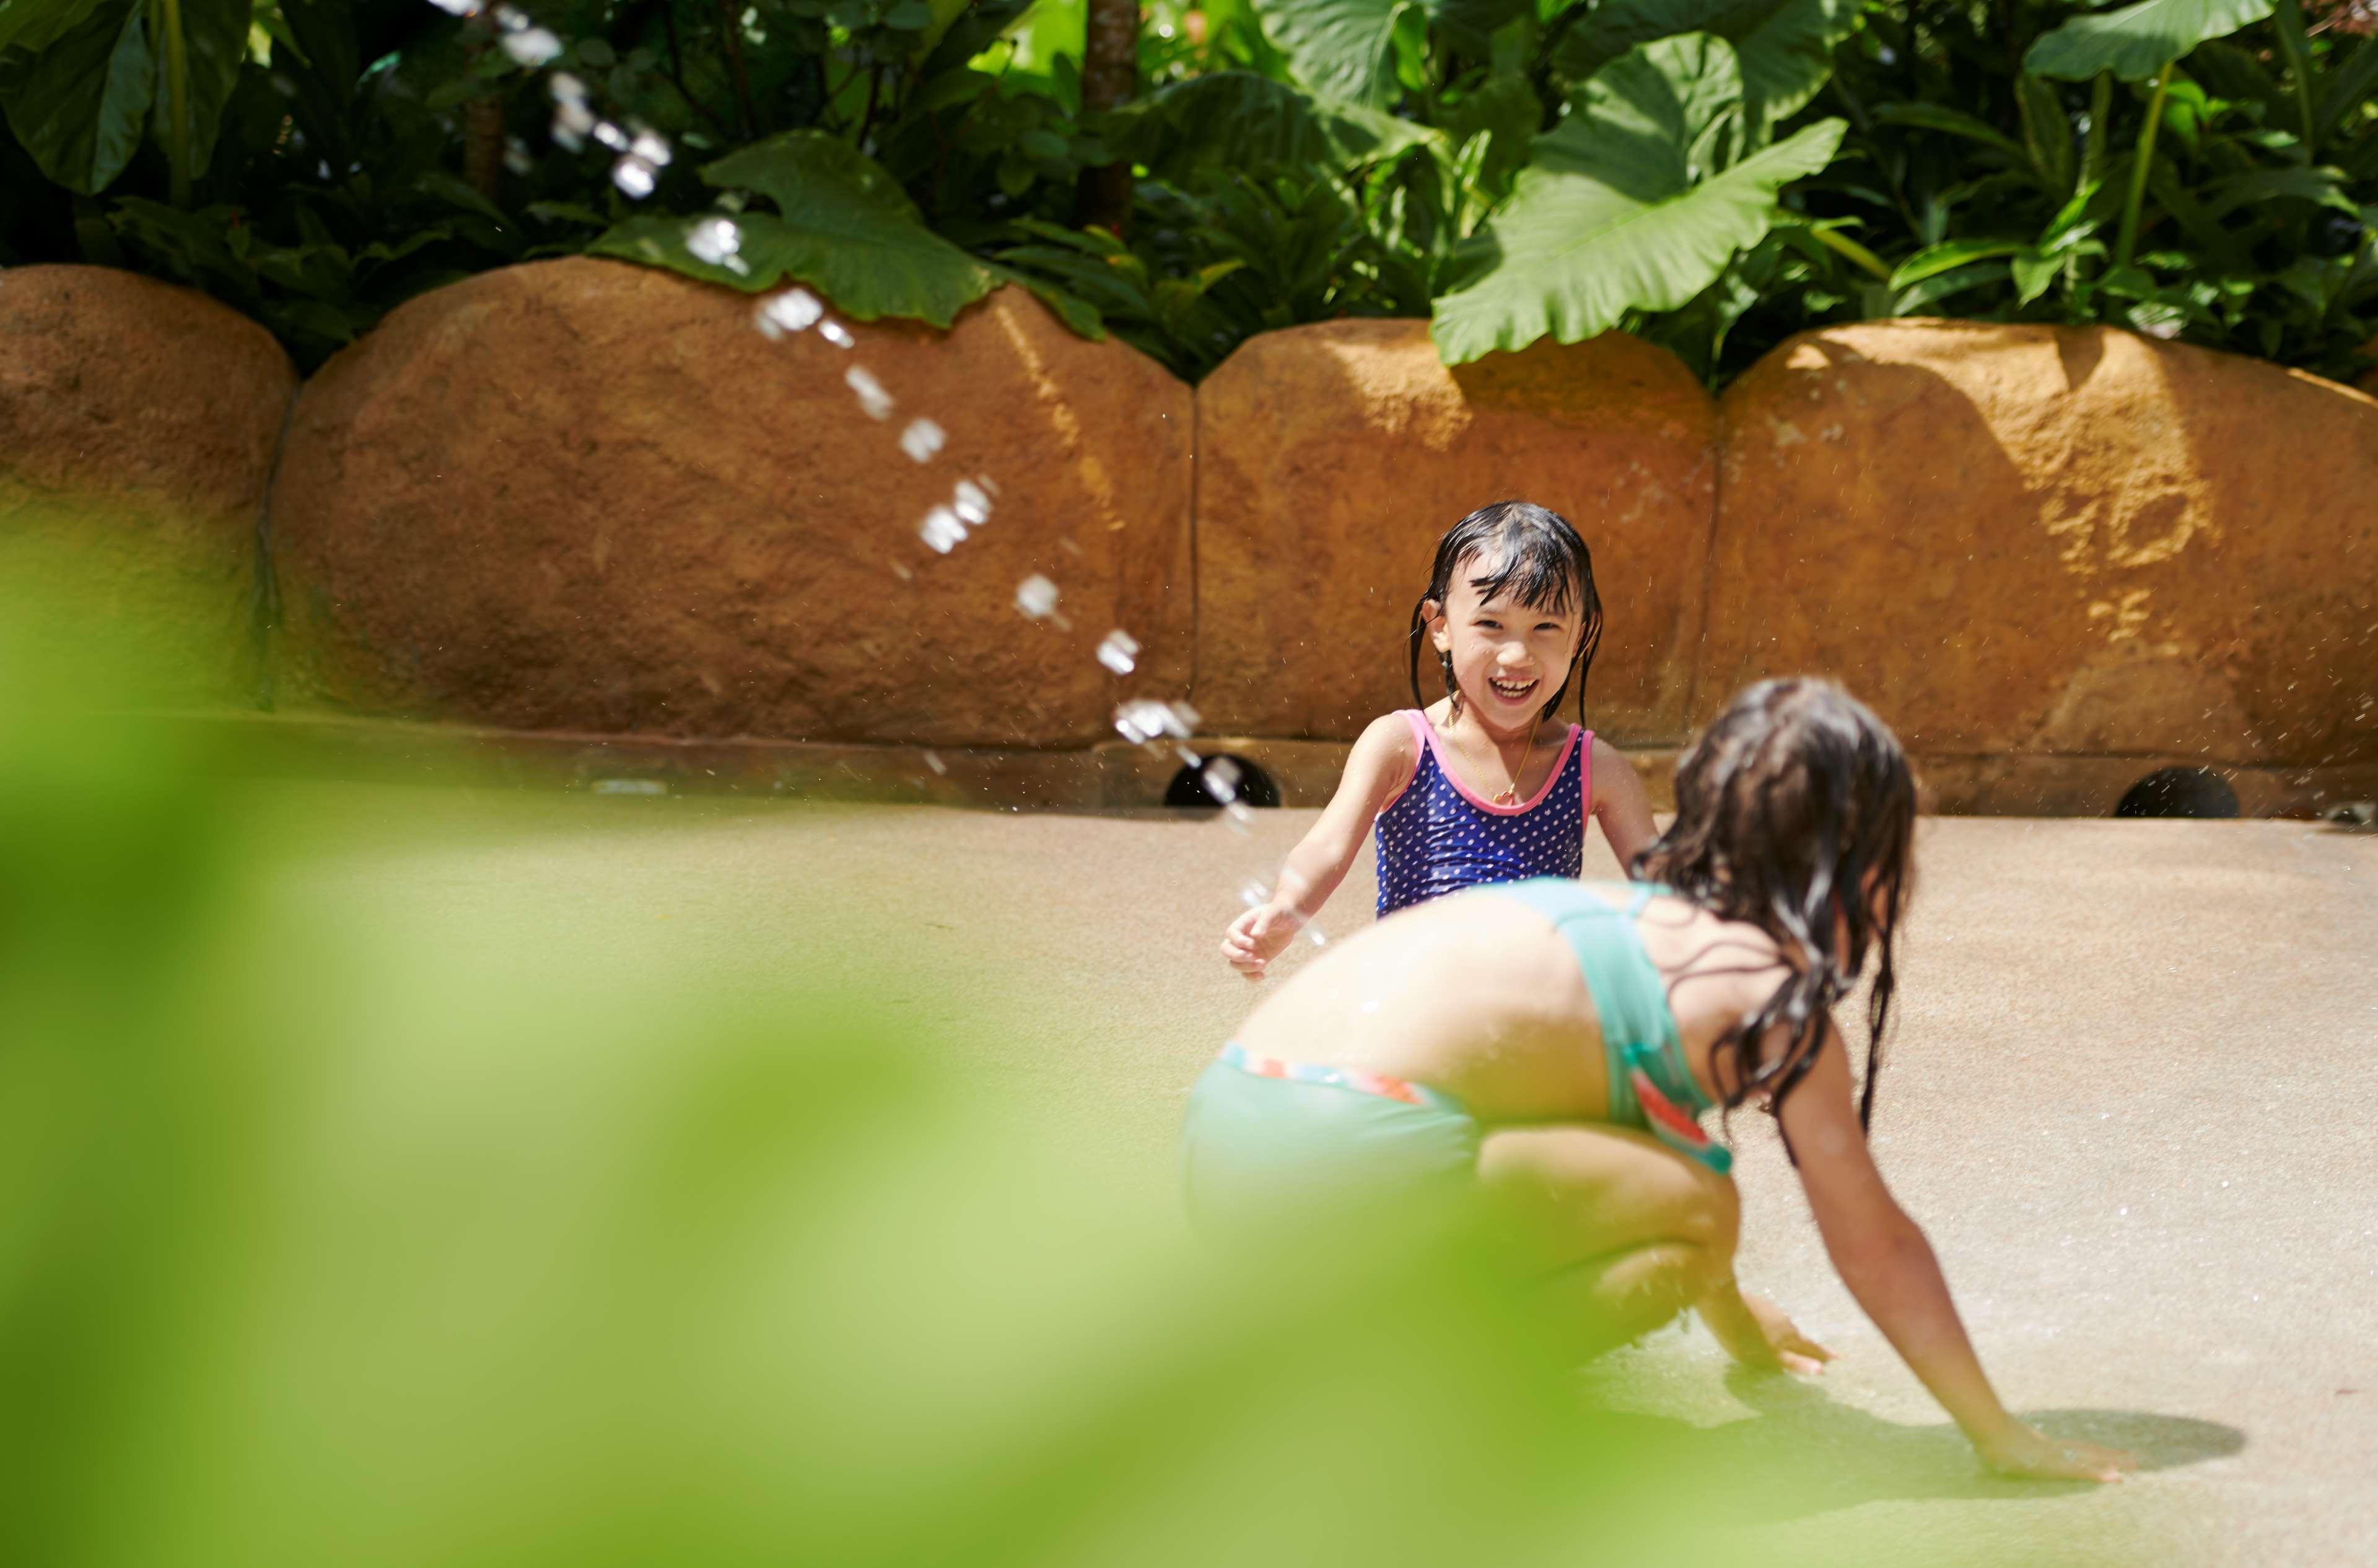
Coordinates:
(942,530)
(795,310)
(922,439)
(641,154)
(1254,895)
(634,176)
(871,395)
(972,500)
(533,46)
(1120,652)
(1143,720)
(718,241)
(1037,597)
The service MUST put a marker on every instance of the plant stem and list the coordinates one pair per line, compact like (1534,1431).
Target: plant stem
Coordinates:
(2142,160)
(177,100)
(2298,53)
(1855,251)
(2101,104)
(731,16)
(677,72)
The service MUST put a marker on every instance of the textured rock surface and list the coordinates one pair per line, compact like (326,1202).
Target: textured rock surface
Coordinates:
(2033,539)
(1332,457)
(138,426)
(585,495)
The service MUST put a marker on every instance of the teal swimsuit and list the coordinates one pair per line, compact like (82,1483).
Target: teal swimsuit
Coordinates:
(1262,1132)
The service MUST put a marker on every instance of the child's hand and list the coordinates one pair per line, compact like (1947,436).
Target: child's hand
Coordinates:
(2031,1455)
(1755,1332)
(1256,937)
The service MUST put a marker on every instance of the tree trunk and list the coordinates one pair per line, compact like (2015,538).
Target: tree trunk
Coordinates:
(1110,77)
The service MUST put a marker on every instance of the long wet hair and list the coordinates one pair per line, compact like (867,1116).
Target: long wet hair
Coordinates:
(1786,806)
(1538,558)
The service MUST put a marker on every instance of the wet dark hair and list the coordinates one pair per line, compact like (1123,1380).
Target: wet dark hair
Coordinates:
(1534,556)
(1785,805)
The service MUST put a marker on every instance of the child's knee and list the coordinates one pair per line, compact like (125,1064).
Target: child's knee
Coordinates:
(1711,1216)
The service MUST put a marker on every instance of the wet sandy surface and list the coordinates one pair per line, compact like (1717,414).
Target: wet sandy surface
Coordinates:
(2128,1098)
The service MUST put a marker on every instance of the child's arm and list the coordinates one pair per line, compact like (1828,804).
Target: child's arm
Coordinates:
(1620,805)
(1889,1267)
(1381,762)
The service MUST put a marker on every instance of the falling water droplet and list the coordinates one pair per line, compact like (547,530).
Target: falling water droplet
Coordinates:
(652,147)
(1185,719)
(942,530)
(972,501)
(795,310)
(516,156)
(837,334)
(564,86)
(1239,816)
(718,241)
(1313,935)
(1222,777)
(871,395)
(1253,894)
(934,761)
(1188,758)
(458,7)
(610,136)
(572,121)
(1142,720)
(533,47)
(921,440)
(633,175)
(1037,597)
(1120,653)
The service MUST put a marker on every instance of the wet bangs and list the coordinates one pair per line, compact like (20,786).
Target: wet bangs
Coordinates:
(1533,567)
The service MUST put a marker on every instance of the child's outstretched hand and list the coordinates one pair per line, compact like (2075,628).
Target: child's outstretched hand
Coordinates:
(1755,1332)
(1256,937)
(2030,1455)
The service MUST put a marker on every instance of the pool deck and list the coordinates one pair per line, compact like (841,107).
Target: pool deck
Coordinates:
(2127,1099)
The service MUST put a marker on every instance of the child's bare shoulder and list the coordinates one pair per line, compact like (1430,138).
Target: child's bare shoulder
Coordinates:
(1390,735)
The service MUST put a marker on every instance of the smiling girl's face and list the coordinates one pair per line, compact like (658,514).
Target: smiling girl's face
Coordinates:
(1508,658)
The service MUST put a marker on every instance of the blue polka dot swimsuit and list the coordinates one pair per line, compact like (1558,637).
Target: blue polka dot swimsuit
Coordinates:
(1435,837)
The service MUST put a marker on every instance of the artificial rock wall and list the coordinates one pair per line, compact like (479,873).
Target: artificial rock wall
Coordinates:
(580,497)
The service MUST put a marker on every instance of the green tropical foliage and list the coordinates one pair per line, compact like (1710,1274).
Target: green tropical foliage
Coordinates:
(1715,174)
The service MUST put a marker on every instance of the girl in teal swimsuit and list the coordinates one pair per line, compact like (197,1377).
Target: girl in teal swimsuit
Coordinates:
(1539,1054)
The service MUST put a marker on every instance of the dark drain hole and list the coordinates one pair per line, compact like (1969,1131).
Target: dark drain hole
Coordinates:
(2179,792)
(1243,780)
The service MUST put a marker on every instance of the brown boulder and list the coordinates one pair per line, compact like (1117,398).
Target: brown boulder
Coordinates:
(1332,457)
(2020,539)
(138,426)
(583,494)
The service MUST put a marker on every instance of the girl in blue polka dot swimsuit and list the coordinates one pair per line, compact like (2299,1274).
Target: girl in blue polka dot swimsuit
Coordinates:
(1486,784)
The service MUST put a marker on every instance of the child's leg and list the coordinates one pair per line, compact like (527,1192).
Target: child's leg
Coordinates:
(1624,1229)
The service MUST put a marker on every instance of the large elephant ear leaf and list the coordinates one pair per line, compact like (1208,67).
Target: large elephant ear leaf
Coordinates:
(1622,207)
(1238,119)
(1341,49)
(33,25)
(82,105)
(842,225)
(2138,40)
(1785,46)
